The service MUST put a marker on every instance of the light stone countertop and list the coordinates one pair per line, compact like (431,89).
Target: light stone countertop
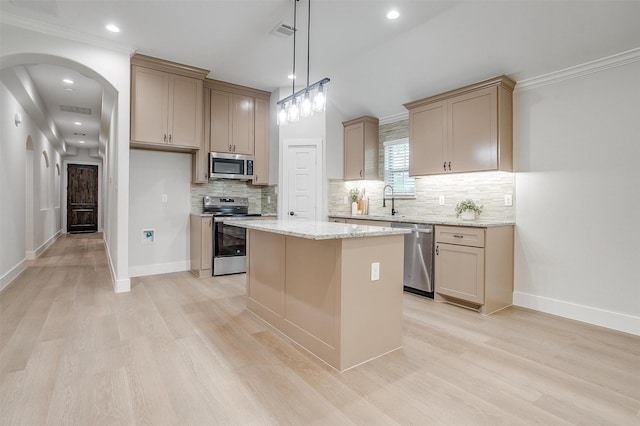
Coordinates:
(316,230)
(432,220)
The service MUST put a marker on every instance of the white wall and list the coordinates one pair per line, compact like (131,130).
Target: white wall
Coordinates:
(577,156)
(313,127)
(13,197)
(24,43)
(153,174)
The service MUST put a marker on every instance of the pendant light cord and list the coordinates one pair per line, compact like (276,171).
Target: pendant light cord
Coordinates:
(295,30)
(308,39)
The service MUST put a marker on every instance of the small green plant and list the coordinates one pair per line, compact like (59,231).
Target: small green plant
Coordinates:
(354,194)
(468,205)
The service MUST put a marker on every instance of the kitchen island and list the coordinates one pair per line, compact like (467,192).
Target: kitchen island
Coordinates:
(314,282)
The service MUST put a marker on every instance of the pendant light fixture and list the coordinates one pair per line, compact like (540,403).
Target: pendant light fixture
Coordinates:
(314,96)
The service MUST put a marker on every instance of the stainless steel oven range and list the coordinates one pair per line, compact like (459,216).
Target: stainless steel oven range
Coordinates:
(229,242)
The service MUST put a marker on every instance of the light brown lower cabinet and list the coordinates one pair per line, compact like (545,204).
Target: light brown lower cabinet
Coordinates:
(474,267)
(201,245)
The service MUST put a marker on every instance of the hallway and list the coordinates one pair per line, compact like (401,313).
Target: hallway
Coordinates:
(182,350)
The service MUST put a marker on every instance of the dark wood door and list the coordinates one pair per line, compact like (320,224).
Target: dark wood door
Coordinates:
(82,198)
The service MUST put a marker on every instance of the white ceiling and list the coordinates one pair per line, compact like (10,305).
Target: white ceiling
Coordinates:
(375,65)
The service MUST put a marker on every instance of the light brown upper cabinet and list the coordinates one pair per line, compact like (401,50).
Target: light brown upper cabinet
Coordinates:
(261,137)
(238,122)
(361,148)
(166,105)
(463,130)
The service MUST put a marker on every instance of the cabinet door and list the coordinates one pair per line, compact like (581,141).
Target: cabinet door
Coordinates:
(185,111)
(220,121)
(459,272)
(242,130)
(149,101)
(261,163)
(473,131)
(427,139)
(206,250)
(354,152)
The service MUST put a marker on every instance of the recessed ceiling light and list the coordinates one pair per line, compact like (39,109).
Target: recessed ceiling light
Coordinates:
(77,123)
(80,141)
(113,28)
(393,14)
(67,81)
(291,76)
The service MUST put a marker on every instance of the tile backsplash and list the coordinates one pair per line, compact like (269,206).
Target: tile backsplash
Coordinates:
(257,195)
(487,188)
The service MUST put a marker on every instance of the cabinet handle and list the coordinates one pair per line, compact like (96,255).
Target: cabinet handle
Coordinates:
(437,250)
(458,236)
(360,173)
(234,148)
(255,178)
(165,137)
(444,166)
(229,147)
(449,165)
(170,139)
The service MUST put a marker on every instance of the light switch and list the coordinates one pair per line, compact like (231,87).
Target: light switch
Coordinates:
(441,200)
(375,271)
(164,198)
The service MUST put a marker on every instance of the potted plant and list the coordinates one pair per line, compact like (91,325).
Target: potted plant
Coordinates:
(468,209)
(354,194)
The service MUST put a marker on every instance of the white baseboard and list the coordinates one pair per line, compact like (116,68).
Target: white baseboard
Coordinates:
(14,273)
(119,285)
(159,268)
(38,252)
(614,320)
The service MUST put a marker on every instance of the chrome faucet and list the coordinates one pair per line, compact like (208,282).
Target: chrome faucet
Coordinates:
(393,207)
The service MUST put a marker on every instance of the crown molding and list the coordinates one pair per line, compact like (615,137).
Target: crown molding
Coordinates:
(393,118)
(613,61)
(56,31)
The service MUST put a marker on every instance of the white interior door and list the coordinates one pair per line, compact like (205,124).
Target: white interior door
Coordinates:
(301,180)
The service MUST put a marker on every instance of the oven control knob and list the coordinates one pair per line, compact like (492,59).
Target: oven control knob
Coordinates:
(292,213)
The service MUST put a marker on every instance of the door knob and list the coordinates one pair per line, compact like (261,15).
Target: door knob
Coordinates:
(292,213)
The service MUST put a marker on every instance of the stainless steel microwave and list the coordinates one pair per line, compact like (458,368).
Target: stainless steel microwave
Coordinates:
(223,165)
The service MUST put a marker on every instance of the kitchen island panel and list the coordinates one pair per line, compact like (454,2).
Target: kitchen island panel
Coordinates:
(312,277)
(372,310)
(266,268)
(331,307)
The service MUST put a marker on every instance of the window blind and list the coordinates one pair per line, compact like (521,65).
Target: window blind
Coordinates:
(396,167)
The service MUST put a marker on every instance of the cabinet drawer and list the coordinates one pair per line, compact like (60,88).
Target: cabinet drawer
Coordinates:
(463,236)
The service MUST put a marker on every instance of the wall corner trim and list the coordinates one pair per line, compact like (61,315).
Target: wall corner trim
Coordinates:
(600,317)
(619,59)
(119,285)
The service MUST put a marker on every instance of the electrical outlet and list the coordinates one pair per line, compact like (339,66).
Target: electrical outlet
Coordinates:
(268,199)
(164,198)
(345,200)
(508,200)
(375,271)
(441,200)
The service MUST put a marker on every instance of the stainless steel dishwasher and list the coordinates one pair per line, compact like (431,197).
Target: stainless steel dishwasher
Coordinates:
(418,258)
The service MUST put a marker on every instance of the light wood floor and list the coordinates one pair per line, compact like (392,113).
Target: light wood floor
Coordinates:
(181,350)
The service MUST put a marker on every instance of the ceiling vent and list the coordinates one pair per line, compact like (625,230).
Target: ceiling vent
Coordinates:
(79,134)
(75,109)
(283,30)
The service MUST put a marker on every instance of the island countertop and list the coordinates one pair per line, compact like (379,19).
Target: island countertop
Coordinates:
(316,230)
